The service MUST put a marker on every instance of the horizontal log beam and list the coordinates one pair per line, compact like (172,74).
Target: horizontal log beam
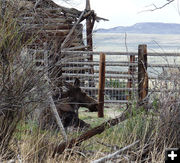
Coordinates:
(43,21)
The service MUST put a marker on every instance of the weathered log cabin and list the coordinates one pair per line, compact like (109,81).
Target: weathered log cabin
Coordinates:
(53,29)
(49,23)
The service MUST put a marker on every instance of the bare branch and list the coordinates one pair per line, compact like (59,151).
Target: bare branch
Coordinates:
(155,7)
(110,156)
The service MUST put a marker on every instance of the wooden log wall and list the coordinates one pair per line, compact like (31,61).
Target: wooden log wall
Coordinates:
(49,24)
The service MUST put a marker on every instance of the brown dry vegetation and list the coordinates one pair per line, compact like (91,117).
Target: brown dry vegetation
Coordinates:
(21,138)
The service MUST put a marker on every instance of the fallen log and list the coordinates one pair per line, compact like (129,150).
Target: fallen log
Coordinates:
(59,149)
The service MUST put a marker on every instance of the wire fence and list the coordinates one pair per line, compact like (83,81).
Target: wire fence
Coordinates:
(121,77)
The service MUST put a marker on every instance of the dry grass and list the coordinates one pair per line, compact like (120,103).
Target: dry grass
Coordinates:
(34,145)
(20,139)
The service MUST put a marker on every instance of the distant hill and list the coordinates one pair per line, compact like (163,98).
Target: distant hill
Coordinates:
(145,28)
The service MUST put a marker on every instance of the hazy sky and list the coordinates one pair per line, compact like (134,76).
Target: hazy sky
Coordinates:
(128,12)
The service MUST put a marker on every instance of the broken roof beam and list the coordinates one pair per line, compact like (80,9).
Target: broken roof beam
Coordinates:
(64,44)
(75,13)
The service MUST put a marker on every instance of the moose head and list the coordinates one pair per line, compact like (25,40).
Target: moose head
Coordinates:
(77,95)
(68,107)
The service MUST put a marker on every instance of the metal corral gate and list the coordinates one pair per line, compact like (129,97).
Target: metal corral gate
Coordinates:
(128,75)
(120,74)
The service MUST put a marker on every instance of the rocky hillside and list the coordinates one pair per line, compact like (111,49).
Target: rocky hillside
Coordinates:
(146,28)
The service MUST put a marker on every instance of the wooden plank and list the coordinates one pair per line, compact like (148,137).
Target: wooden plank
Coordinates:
(60,9)
(43,21)
(51,26)
(44,33)
(142,72)
(77,48)
(68,37)
(101,85)
(75,44)
(59,32)
(40,15)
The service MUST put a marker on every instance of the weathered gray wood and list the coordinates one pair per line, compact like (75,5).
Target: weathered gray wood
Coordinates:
(50,99)
(74,12)
(63,45)
(45,20)
(110,156)
(55,33)
(76,48)
(92,132)
(56,115)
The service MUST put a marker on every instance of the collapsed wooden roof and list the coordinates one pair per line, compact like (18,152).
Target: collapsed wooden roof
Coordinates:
(51,20)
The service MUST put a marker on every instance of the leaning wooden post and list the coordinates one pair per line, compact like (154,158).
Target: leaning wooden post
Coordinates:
(101,85)
(90,20)
(142,72)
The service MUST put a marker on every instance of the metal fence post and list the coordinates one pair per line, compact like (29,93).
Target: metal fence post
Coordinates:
(102,66)
(142,72)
